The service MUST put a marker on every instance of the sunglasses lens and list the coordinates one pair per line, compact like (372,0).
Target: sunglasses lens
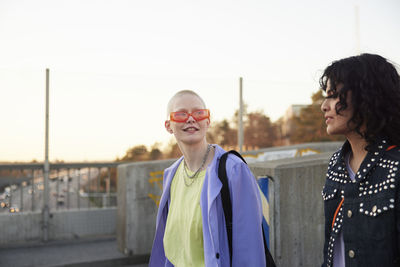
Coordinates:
(200,114)
(179,116)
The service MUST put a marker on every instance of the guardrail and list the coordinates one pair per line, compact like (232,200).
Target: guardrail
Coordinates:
(71,186)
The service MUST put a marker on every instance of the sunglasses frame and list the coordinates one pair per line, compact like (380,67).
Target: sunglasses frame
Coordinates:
(189,114)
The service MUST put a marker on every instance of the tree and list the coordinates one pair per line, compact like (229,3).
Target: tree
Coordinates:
(136,153)
(222,133)
(258,130)
(155,152)
(172,151)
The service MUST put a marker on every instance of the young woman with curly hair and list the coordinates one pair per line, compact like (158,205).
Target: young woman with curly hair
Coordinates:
(361,193)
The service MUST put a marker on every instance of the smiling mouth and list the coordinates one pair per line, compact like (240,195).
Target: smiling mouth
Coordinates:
(190,129)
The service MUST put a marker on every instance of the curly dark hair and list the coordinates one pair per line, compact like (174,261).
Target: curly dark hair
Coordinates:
(375,95)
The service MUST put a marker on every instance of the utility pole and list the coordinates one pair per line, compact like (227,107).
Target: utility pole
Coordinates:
(45,210)
(240,128)
(357,30)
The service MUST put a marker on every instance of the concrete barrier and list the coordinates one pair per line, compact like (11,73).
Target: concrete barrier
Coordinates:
(275,153)
(139,191)
(296,208)
(67,224)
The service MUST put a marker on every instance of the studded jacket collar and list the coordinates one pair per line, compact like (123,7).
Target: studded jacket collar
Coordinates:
(365,209)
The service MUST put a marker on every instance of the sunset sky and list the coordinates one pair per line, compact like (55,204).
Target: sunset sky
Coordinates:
(115,64)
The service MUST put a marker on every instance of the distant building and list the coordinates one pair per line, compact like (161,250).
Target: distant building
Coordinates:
(287,124)
(293,110)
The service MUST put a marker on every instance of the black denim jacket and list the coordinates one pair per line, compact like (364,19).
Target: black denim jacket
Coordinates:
(369,215)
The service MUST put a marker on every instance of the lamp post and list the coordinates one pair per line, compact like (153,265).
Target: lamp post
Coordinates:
(240,128)
(45,209)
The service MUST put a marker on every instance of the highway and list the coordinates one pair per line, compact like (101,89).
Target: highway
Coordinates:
(65,192)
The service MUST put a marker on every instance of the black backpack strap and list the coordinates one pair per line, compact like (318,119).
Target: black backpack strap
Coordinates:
(225,195)
(227,206)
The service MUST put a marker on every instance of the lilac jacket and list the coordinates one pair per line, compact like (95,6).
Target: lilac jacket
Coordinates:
(247,240)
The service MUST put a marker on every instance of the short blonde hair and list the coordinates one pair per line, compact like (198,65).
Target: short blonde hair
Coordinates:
(180,93)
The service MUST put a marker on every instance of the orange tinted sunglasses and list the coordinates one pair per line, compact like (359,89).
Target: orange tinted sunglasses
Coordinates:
(182,116)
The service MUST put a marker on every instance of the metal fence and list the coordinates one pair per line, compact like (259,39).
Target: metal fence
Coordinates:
(71,186)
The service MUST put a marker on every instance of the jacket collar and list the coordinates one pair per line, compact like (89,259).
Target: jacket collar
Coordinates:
(375,153)
(212,182)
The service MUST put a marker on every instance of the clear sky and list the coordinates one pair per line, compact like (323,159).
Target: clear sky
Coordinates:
(115,64)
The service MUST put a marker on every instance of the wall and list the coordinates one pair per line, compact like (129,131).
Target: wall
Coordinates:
(139,191)
(296,208)
(69,224)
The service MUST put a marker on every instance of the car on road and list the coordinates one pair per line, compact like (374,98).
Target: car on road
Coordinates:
(40,187)
(60,199)
(14,209)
